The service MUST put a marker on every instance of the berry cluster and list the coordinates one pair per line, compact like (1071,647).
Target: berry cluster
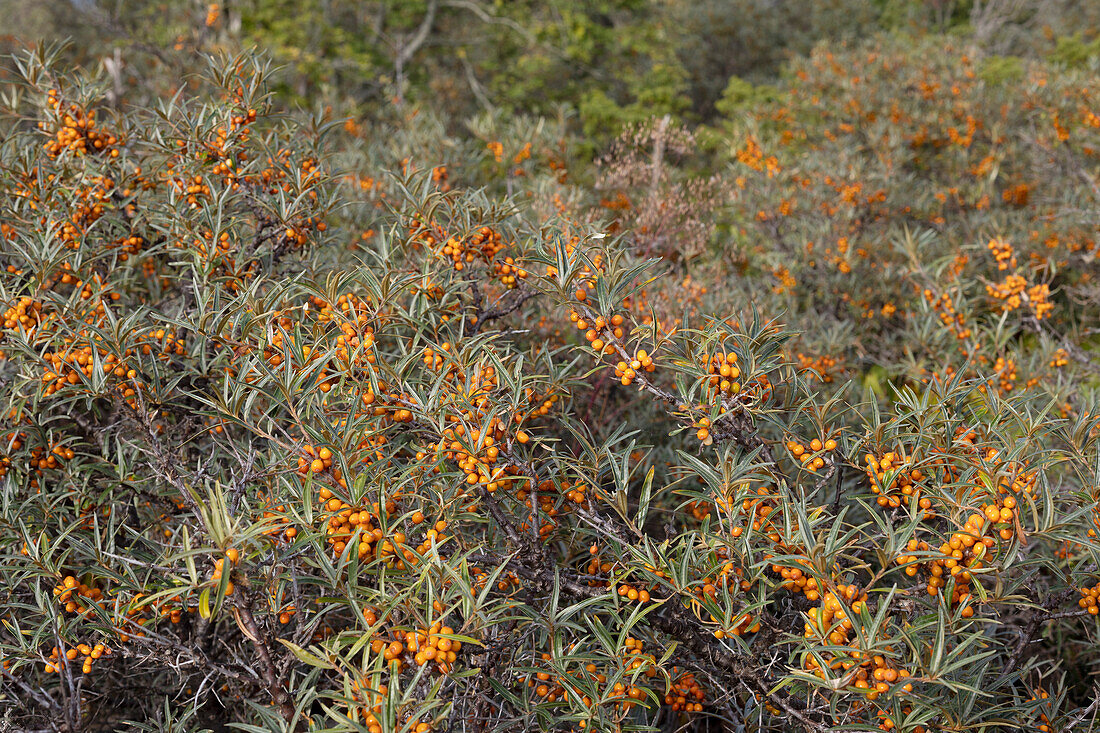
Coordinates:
(359,525)
(75,130)
(965,551)
(600,332)
(77,597)
(1090,599)
(811,456)
(420,646)
(723,375)
(822,368)
(893,482)
(628,372)
(89,654)
(831,623)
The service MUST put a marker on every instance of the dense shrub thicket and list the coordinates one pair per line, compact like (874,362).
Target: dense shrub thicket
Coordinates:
(784,422)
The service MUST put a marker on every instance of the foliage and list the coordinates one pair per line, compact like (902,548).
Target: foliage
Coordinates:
(390,423)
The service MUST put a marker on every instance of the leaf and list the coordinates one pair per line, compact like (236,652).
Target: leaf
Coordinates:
(304,656)
(204,603)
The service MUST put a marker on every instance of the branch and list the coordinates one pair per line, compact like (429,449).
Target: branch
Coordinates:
(242,611)
(486,17)
(408,50)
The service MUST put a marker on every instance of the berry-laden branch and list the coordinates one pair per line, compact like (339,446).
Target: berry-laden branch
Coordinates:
(673,619)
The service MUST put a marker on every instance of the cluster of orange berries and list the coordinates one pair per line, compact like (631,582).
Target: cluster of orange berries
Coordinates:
(354,341)
(723,375)
(484,244)
(799,580)
(315,460)
(954,563)
(345,520)
(752,155)
(76,363)
(756,512)
(370,699)
(509,272)
(216,249)
(353,317)
(1017,195)
(1004,375)
(479,461)
(887,723)
(439,178)
(600,332)
(286,611)
(785,280)
(954,320)
(702,430)
(273,518)
(903,485)
(275,176)
(759,509)
(75,596)
(78,598)
(700,509)
(830,623)
(549,493)
(127,246)
(810,456)
(636,658)
(628,372)
(686,693)
(1013,291)
(478,451)
(76,131)
(506,581)
(1002,253)
(744,624)
(599,569)
(631,593)
(297,235)
(172,611)
(217,149)
(192,188)
(1090,599)
(24,314)
(548,690)
(85,208)
(821,367)
(1059,359)
(75,653)
(39,459)
(1044,721)
(234,556)
(1067,549)
(423,645)
(966,550)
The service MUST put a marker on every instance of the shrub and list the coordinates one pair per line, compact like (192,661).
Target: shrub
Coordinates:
(305,446)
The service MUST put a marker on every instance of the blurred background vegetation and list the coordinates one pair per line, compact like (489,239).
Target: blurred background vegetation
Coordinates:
(602,63)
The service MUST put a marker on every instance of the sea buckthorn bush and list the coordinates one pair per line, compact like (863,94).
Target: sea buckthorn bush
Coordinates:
(363,425)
